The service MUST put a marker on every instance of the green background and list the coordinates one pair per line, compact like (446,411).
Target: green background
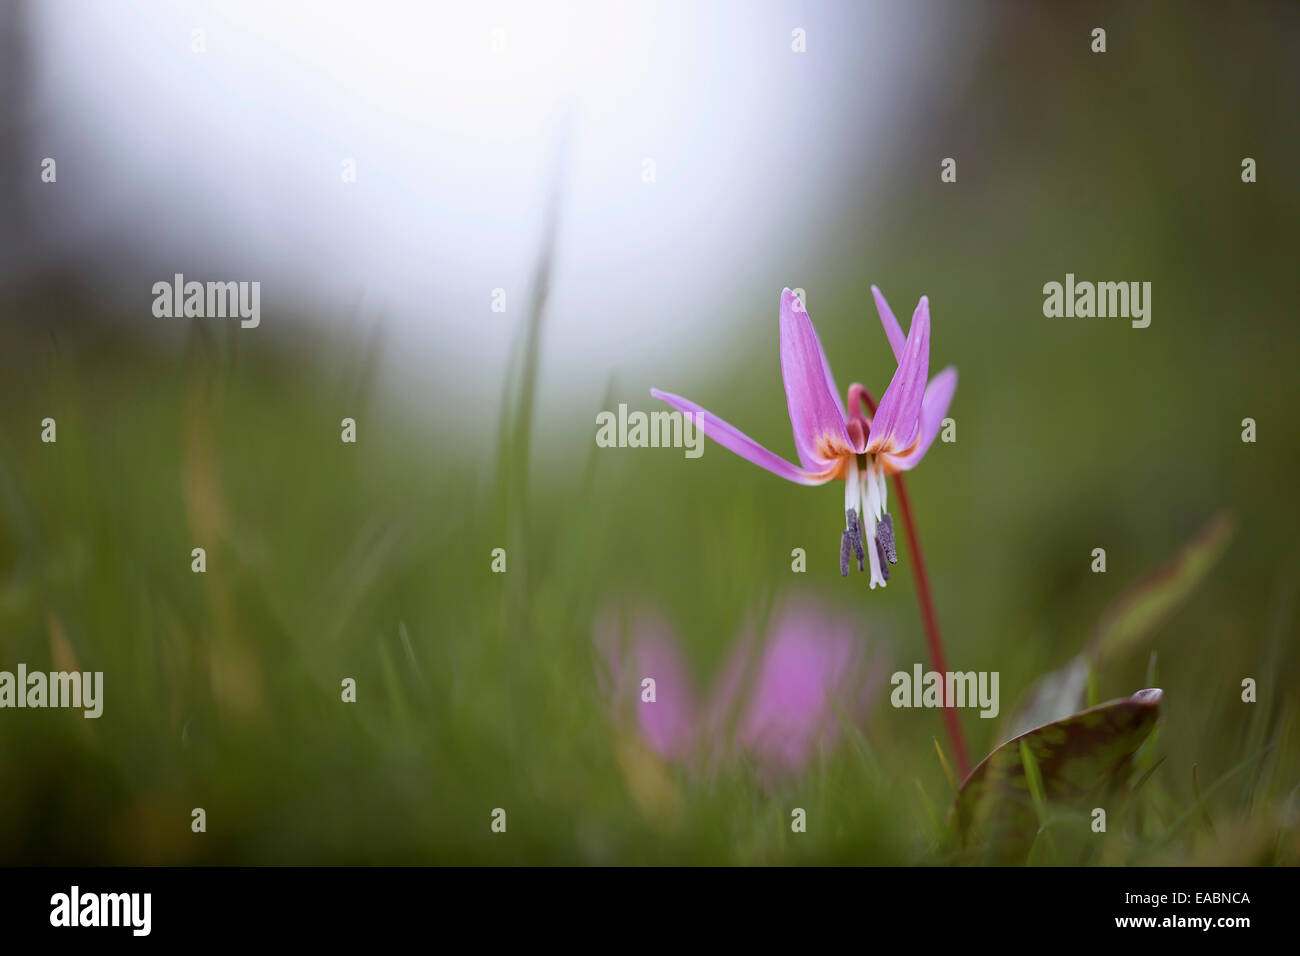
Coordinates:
(478,691)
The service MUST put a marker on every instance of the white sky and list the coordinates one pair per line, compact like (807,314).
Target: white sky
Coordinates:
(226,164)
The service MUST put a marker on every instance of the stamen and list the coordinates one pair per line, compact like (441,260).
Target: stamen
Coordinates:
(852,486)
(885,539)
(870,491)
(856,538)
(853,538)
(873,554)
(869,529)
(880,552)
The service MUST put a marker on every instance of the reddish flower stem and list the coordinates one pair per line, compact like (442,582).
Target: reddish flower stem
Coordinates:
(933,640)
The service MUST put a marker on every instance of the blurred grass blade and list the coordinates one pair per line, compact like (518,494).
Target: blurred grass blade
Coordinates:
(1034,777)
(928,806)
(1146,605)
(1200,800)
(514,451)
(1194,810)
(1128,619)
(943,762)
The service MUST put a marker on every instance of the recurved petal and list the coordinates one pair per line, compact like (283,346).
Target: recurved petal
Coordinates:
(896,425)
(934,407)
(816,410)
(893,331)
(736,441)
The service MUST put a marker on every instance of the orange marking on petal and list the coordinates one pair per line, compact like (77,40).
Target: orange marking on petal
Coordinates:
(831,446)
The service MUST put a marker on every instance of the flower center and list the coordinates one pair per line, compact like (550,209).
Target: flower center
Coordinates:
(869,531)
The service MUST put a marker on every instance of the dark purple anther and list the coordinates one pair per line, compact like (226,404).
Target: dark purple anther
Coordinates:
(856,535)
(885,538)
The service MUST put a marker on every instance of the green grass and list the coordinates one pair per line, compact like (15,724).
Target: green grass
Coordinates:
(478,690)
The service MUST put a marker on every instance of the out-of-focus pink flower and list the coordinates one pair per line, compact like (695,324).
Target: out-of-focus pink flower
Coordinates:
(780,702)
(637,645)
(811,676)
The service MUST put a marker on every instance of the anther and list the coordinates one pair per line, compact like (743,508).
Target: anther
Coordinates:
(857,535)
(844,554)
(885,538)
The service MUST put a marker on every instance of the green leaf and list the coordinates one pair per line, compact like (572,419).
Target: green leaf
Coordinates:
(1079,758)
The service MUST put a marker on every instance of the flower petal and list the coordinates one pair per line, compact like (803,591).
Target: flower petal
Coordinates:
(636,643)
(938,396)
(734,440)
(893,331)
(816,411)
(810,672)
(668,724)
(896,425)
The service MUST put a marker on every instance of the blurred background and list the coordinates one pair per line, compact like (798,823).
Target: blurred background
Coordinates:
(635,184)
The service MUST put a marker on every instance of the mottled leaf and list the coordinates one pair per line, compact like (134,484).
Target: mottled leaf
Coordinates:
(1080,758)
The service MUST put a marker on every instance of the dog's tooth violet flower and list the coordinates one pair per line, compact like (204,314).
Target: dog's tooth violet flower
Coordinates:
(780,700)
(834,442)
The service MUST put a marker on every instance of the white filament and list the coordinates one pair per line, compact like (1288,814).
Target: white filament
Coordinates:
(871,490)
(852,490)
(870,498)
(884,491)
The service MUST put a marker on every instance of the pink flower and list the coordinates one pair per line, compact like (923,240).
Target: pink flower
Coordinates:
(780,706)
(668,724)
(835,443)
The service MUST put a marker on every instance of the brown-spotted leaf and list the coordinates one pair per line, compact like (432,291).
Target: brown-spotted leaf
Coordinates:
(1081,757)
